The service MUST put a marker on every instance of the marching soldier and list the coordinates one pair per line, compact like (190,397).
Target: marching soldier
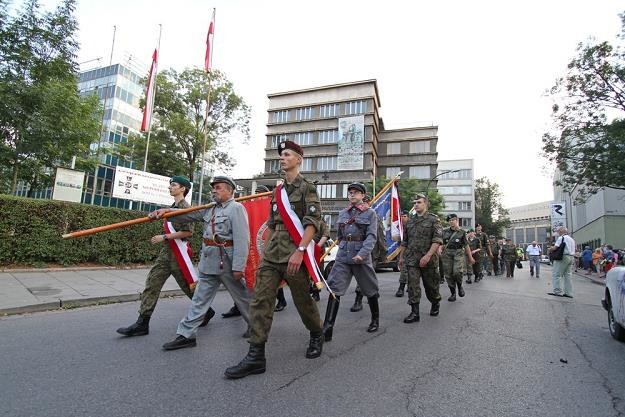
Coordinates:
(166,264)
(224,256)
(494,248)
(419,254)
(455,247)
(509,255)
(282,259)
(403,275)
(357,235)
(486,253)
(475,244)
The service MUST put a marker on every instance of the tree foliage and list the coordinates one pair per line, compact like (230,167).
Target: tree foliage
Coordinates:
(43,121)
(178,128)
(407,188)
(587,144)
(489,212)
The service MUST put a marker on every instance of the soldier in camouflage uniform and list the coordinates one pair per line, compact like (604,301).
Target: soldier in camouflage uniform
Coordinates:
(165,265)
(485,254)
(475,244)
(455,247)
(282,259)
(403,276)
(495,249)
(508,252)
(424,234)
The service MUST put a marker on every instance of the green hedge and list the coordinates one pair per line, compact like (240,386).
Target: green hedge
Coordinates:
(31,233)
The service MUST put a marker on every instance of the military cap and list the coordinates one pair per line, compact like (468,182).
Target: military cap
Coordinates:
(262,189)
(508,239)
(420,195)
(470,230)
(179,179)
(357,186)
(223,179)
(491,236)
(452,216)
(290,145)
(367,198)
(405,212)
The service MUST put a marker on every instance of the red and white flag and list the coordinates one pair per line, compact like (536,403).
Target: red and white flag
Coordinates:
(209,44)
(182,252)
(397,229)
(257,216)
(149,94)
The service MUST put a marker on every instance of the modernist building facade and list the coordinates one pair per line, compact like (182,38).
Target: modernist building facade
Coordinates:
(456,185)
(530,222)
(344,140)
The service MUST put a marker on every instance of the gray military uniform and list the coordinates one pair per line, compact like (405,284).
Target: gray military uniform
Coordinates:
(357,234)
(225,222)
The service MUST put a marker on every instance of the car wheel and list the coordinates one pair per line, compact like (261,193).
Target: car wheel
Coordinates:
(328,269)
(616,330)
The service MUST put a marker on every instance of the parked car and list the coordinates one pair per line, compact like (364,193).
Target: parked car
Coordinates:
(328,261)
(544,259)
(614,302)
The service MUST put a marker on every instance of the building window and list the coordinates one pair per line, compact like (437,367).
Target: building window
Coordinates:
(304,113)
(327,218)
(328,136)
(281,116)
(464,222)
(422,146)
(328,110)
(458,190)
(326,163)
(344,195)
(307,164)
(277,139)
(274,165)
(392,171)
(464,205)
(356,107)
(393,148)
(303,138)
(326,190)
(422,172)
(462,174)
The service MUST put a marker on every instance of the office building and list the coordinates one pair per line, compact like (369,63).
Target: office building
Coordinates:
(456,185)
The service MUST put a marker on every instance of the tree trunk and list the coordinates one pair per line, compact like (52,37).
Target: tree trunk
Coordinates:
(14,180)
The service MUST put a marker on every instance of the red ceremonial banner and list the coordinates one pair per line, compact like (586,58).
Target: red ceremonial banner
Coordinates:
(257,216)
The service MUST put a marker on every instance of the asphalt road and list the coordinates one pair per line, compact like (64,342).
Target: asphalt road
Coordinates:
(497,352)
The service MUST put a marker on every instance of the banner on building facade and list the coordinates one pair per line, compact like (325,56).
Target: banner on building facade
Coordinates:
(351,143)
(558,216)
(68,185)
(132,184)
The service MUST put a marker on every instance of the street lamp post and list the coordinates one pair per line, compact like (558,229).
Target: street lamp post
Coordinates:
(436,176)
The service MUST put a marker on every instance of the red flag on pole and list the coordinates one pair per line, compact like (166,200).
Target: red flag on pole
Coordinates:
(149,94)
(257,216)
(209,41)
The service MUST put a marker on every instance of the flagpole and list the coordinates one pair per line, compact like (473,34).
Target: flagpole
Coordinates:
(151,104)
(208,98)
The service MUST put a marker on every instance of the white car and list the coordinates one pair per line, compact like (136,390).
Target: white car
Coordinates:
(544,259)
(328,261)
(614,302)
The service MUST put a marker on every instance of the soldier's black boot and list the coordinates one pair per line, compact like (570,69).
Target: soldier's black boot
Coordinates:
(233,312)
(253,363)
(469,279)
(414,314)
(140,328)
(460,290)
(281,304)
(400,290)
(375,314)
(452,297)
(207,317)
(357,303)
(331,311)
(434,310)
(315,346)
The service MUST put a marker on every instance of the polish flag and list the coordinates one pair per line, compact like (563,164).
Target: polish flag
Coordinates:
(209,44)
(149,95)
(397,229)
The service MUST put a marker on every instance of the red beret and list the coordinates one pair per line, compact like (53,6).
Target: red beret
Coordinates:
(292,146)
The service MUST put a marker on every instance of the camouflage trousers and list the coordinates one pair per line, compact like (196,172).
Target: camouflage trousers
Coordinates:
(453,266)
(403,275)
(431,282)
(165,266)
(268,278)
(477,266)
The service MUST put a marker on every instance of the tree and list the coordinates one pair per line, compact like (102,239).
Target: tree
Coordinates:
(407,188)
(587,144)
(489,211)
(43,121)
(177,136)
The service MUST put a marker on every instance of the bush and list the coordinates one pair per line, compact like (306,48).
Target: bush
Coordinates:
(32,230)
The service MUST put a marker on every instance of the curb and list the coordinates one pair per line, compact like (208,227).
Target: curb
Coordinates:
(74,268)
(81,302)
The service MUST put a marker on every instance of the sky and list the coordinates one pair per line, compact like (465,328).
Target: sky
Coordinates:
(478,70)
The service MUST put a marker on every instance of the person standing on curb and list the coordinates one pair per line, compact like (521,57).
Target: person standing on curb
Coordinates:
(533,252)
(419,253)
(224,257)
(357,235)
(455,248)
(562,268)
(166,264)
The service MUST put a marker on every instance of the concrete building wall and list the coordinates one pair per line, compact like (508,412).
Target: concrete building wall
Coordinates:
(457,189)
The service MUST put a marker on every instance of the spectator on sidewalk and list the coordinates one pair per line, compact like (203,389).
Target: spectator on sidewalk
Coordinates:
(597,256)
(608,254)
(533,252)
(562,268)
(587,259)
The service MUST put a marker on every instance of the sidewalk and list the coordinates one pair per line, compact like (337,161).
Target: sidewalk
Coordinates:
(31,290)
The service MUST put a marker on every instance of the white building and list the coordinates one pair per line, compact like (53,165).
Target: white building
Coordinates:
(530,222)
(456,185)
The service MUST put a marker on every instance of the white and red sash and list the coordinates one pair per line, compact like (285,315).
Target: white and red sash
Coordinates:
(296,230)
(183,253)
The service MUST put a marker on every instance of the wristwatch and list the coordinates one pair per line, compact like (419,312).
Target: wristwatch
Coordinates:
(301,249)
(165,237)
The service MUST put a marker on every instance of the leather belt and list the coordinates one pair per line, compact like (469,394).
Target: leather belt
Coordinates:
(224,244)
(350,238)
